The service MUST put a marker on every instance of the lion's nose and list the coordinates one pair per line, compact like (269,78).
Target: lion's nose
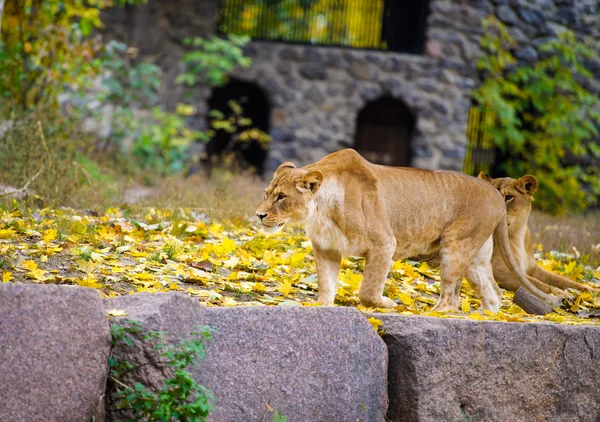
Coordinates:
(260,215)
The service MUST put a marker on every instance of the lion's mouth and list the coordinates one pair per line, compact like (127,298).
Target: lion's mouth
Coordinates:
(272,227)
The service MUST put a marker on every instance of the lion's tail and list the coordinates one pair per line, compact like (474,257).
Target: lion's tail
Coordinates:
(501,242)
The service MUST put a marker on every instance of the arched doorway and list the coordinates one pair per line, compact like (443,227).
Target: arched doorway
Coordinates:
(246,107)
(384,130)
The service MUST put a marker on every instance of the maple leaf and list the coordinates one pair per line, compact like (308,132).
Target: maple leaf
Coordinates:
(6,276)
(50,235)
(376,323)
(37,274)
(29,264)
(7,233)
(89,282)
(297,259)
(285,287)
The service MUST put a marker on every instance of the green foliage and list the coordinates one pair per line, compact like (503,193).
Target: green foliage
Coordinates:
(181,397)
(212,59)
(124,81)
(237,125)
(545,114)
(56,78)
(162,144)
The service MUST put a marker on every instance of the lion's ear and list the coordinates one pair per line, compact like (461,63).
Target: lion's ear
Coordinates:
(310,181)
(485,177)
(527,184)
(283,168)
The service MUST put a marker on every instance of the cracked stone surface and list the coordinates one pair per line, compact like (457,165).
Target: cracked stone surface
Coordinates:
(54,346)
(461,370)
(309,363)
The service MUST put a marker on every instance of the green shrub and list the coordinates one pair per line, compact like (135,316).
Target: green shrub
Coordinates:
(211,60)
(180,397)
(544,114)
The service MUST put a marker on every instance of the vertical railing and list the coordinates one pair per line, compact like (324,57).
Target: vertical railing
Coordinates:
(480,154)
(348,23)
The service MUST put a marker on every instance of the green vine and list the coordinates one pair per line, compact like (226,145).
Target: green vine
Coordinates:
(544,114)
(180,398)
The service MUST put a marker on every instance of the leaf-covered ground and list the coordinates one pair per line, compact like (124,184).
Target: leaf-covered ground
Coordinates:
(228,264)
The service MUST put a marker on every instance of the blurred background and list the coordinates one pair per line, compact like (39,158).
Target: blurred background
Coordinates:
(196,102)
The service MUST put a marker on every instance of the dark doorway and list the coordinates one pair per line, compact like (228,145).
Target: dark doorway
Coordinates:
(246,107)
(404,25)
(384,130)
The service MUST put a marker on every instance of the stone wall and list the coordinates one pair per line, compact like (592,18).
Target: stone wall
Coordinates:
(316,92)
(309,363)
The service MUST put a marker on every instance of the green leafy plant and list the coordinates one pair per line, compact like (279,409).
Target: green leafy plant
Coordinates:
(544,114)
(162,142)
(236,124)
(180,398)
(212,59)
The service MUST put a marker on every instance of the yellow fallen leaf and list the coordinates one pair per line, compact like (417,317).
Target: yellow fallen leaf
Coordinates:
(6,276)
(465,306)
(231,262)
(37,274)
(406,299)
(297,259)
(285,287)
(228,301)
(116,312)
(44,258)
(89,282)
(515,310)
(50,235)
(86,266)
(227,246)
(7,233)
(144,276)
(376,323)
(96,257)
(29,264)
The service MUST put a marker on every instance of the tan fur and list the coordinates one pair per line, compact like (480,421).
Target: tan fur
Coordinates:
(352,207)
(518,195)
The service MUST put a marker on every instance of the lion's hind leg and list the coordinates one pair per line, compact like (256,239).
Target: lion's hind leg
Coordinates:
(452,271)
(457,252)
(480,276)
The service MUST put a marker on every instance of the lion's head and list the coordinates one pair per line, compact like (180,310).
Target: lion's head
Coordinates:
(290,197)
(518,195)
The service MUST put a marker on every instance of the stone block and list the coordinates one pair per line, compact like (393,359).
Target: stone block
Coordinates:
(311,364)
(459,370)
(54,347)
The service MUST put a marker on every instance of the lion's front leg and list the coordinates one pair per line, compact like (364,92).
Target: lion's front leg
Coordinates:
(328,269)
(377,267)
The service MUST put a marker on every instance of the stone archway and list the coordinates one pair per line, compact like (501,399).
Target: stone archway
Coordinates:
(255,106)
(384,131)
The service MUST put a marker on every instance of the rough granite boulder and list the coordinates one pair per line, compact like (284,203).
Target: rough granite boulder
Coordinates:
(54,346)
(311,364)
(461,370)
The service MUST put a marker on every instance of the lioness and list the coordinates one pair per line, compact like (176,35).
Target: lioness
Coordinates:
(518,195)
(352,207)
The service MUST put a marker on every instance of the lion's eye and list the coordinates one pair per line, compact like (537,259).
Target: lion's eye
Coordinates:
(280,197)
(509,198)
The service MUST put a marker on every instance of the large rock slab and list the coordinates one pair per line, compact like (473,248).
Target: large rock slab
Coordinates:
(54,345)
(311,364)
(462,370)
